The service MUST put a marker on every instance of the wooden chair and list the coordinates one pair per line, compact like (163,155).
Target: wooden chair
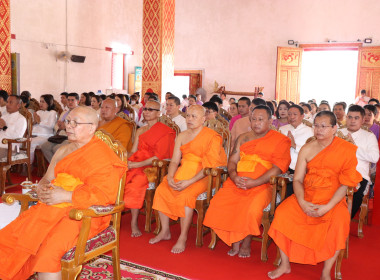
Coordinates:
(222,120)
(307,123)
(203,200)
(132,112)
(34,104)
(58,108)
(17,157)
(155,175)
(87,249)
(225,114)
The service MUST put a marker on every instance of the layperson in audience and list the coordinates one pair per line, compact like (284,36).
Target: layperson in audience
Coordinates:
(44,121)
(307,112)
(3,102)
(135,102)
(271,107)
(367,152)
(195,149)
(25,102)
(218,102)
(119,128)
(243,125)
(232,100)
(185,103)
(12,124)
(312,225)
(49,148)
(243,108)
(225,104)
(339,110)
(369,119)
(96,102)
(314,110)
(121,103)
(85,99)
(64,96)
(373,101)
(172,110)
(298,133)
(199,99)
(233,109)
(153,141)
(362,99)
(164,103)
(236,210)
(281,114)
(324,106)
(211,110)
(37,239)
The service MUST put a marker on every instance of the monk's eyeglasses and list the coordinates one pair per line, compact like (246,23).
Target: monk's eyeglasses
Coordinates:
(74,123)
(323,127)
(150,109)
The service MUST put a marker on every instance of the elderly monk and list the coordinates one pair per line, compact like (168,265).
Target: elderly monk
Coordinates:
(236,210)
(196,148)
(119,128)
(83,173)
(312,225)
(153,141)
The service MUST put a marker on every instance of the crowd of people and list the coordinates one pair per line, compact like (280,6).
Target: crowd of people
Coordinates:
(268,138)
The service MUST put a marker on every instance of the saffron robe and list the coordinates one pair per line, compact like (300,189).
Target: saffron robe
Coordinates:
(205,150)
(40,236)
(157,141)
(235,213)
(121,130)
(310,240)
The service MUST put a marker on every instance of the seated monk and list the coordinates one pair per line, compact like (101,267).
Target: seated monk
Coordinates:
(313,224)
(119,128)
(196,148)
(236,210)
(152,141)
(82,173)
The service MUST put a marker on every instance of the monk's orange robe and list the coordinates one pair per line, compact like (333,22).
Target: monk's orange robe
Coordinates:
(235,213)
(205,150)
(121,130)
(310,240)
(157,141)
(40,236)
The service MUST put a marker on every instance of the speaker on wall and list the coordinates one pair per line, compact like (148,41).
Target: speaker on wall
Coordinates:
(78,58)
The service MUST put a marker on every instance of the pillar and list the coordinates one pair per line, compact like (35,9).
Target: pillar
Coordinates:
(5,46)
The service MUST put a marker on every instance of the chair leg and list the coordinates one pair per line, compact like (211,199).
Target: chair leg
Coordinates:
(338,265)
(148,210)
(3,175)
(201,215)
(29,167)
(264,241)
(116,263)
(362,216)
(158,223)
(70,273)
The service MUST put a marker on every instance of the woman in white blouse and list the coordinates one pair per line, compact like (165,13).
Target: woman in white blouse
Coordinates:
(44,122)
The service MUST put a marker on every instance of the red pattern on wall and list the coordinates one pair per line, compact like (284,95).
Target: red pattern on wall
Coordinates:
(5,46)
(158,44)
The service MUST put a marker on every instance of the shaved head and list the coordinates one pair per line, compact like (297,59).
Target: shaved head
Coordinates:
(195,117)
(86,113)
(197,109)
(111,102)
(153,104)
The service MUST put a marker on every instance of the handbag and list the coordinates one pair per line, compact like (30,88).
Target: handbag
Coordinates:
(57,139)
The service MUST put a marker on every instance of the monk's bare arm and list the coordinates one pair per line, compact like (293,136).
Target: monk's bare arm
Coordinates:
(263,179)
(176,159)
(234,159)
(136,141)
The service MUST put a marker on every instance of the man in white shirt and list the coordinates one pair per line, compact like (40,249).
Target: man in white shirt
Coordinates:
(12,124)
(367,152)
(164,103)
(64,101)
(298,134)
(172,110)
(49,148)
(3,102)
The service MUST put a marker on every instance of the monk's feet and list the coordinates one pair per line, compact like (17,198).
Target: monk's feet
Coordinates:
(135,231)
(161,236)
(282,269)
(235,249)
(245,249)
(180,246)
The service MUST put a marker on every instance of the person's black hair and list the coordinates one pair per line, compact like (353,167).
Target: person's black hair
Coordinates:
(4,95)
(329,114)
(234,104)
(64,93)
(91,93)
(282,102)
(233,98)
(325,103)
(374,99)
(343,104)
(308,106)
(300,109)
(246,99)
(356,108)
(74,94)
(315,104)
(153,97)
(193,97)
(291,103)
(87,102)
(25,100)
(103,97)
(363,91)
(122,98)
(275,102)
(223,94)
(258,101)
(216,99)
(371,108)
(49,99)
(263,107)
(184,96)
(98,98)
(261,93)
(211,106)
(270,105)
(26,93)
(135,97)
(176,100)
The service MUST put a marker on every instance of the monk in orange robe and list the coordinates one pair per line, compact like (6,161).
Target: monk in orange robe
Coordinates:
(119,128)
(236,210)
(312,225)
(196,148)
(83,173)
(153,141)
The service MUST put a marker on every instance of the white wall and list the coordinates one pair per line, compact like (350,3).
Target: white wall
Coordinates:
(92,25)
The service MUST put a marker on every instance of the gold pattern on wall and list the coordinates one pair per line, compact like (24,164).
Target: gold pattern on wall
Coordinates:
(290,59)
(5,47)
(370,59)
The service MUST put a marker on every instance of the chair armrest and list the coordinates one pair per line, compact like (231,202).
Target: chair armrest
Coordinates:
(15,141)
(214,179)
(160,162)
(95,211)
(10,198)
(350,195)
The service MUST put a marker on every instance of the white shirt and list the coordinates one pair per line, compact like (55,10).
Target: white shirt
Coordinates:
(46,126)
(361,101)
(367,152)
(300,134)
(3,110)
(16,124)
(181,122)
